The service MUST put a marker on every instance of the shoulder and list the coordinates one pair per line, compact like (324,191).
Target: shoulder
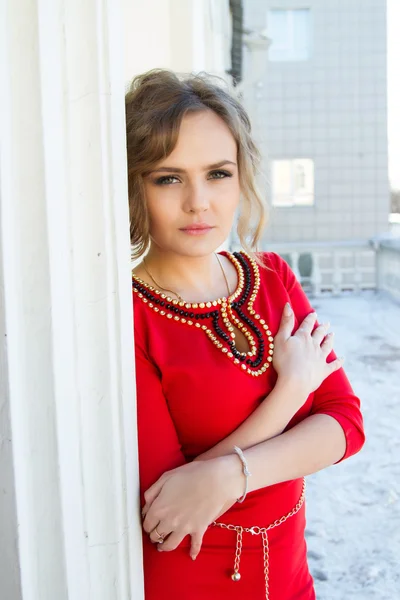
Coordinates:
(271,262)
(272,265)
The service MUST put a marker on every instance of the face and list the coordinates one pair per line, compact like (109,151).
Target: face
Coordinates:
(192,195)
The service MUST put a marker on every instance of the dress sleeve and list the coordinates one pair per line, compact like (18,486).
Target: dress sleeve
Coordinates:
(335,396)
(159,447)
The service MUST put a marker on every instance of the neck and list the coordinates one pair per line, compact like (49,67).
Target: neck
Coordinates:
(191,277)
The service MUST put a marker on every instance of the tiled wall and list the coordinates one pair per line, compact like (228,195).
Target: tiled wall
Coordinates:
(331,108)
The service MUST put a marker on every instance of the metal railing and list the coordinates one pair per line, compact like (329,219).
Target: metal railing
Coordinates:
(334,268)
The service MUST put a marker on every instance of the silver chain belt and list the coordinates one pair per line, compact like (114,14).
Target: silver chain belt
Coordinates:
(263,531)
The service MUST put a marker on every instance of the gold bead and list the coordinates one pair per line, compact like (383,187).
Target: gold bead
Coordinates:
(202,305)
(195,305)
(236,576)
(244,367)
(208,304)
(190,322)
(176,318)
(162,312)
(198,325)
(169,316)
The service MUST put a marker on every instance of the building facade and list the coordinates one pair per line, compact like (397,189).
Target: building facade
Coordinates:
(321,118)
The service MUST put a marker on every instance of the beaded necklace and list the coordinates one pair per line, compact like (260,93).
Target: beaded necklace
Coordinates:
(216,318)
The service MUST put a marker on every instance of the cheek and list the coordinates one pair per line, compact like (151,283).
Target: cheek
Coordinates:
(160,210)
(229,200)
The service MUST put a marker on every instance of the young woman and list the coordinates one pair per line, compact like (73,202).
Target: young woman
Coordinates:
(239,392)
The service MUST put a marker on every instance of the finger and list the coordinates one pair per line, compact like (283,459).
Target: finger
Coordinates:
(159,530)
(151,521)
(327,344)
(308,323)
(335,365)
(320,332)
(151,494)
(172,542)
(195,547)
(152,518)
(286,324)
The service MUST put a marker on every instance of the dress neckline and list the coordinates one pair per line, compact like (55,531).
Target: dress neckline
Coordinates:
(205,304)
(217,318)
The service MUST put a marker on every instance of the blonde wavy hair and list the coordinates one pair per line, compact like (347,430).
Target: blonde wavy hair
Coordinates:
(155,105)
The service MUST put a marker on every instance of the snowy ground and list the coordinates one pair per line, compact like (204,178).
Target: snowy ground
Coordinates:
(353,530)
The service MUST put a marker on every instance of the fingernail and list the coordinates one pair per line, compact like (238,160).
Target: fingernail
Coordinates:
(159,548)
(193,557)
(288,309)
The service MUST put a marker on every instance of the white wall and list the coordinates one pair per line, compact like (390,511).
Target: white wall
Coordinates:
(182,35)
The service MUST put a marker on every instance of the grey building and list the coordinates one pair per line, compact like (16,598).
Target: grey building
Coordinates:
(320,113)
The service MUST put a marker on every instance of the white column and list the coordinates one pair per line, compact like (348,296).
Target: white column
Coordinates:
(67,300)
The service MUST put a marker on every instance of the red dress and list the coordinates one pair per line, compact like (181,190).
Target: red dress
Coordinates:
(193,390)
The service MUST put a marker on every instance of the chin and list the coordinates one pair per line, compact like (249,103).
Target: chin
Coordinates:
(198,248)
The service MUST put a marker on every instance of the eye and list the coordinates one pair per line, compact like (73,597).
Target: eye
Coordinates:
(220,174)
(166,180)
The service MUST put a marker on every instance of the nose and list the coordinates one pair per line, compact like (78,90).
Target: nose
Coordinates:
(196,198)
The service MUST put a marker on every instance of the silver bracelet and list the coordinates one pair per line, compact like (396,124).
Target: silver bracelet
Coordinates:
(246,471)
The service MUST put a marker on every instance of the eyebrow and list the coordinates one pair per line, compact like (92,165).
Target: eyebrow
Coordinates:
(178,170)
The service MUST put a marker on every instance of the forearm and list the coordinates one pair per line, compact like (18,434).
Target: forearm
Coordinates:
(312,445)
(267,421)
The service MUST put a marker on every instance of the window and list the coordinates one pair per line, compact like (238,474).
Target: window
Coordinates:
(290,33)
(293,182)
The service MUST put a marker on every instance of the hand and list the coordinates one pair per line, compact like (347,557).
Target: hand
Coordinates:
(186,500)
(301,358)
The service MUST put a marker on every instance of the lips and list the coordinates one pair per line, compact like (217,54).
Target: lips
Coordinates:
(197,227)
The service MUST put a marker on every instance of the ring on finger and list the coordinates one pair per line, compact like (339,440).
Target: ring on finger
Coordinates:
(161,536)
